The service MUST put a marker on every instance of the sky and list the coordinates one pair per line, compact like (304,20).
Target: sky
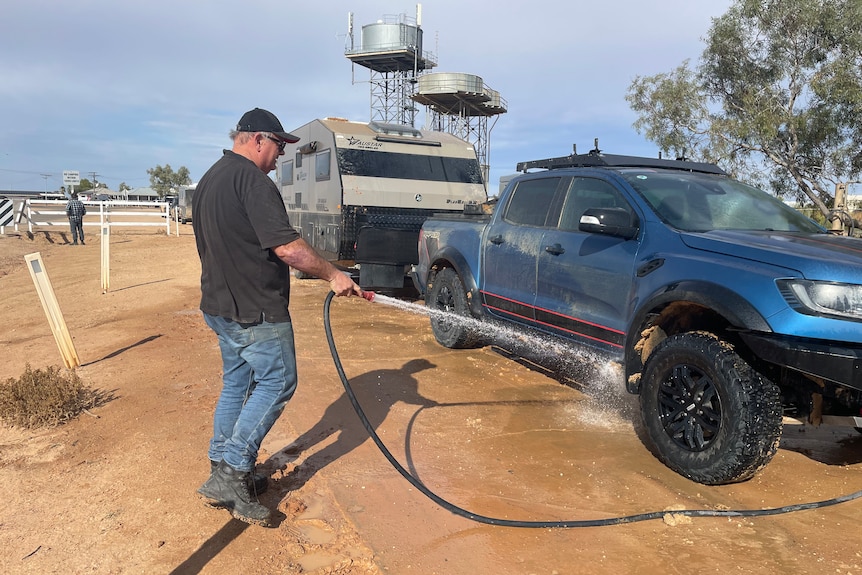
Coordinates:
(114,88)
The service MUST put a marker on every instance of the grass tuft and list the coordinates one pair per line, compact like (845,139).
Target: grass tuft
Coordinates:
(45,398)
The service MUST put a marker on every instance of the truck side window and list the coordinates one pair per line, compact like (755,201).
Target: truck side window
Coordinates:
(586,193)
(531,201)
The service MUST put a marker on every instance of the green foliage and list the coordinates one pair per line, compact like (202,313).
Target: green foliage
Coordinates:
(777,98)
(162,179)
(45,398)
(673,112)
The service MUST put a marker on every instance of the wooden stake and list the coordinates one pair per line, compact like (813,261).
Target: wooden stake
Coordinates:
(106,258)
(52,310)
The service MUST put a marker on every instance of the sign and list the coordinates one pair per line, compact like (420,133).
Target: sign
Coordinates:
(71,177)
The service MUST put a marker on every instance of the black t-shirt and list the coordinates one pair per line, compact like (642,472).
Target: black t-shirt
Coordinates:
(238,217)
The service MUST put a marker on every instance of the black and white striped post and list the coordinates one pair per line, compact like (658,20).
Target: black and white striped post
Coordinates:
(7,214)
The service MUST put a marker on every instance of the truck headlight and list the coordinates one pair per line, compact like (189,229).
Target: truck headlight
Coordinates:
(823,298)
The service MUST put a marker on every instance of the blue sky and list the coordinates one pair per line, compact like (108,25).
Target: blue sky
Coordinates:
(116,88)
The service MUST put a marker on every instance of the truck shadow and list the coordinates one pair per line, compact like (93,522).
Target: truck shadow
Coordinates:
(827,444)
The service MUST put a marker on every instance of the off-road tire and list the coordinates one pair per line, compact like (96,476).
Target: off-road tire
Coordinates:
(708,415)
(447,294)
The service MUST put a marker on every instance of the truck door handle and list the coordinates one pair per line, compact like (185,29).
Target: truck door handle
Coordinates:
(496,240)
(555,249)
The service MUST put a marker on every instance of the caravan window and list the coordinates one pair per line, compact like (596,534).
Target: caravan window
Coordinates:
(287,173)
(322,165)
(431,168)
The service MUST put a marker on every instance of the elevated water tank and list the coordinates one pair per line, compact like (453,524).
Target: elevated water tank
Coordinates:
(450,83)
(381,36)
(390,47)
(464,94)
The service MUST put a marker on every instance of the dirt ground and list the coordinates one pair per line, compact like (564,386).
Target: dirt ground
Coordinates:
(114,490)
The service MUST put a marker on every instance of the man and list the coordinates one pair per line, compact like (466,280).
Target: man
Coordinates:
(76,210)
(247,245)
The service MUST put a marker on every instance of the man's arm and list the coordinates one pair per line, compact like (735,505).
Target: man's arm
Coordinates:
(299,255)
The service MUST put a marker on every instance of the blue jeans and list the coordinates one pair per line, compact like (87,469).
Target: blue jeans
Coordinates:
(259,365)
(77,228)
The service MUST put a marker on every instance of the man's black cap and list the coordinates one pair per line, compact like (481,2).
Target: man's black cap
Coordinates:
(260,120)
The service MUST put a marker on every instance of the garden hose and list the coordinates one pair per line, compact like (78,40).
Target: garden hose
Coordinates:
(567,524)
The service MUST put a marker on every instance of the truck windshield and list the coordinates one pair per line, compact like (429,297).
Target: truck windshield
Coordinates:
(703,202)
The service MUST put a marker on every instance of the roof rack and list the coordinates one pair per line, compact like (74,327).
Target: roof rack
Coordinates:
(597,159)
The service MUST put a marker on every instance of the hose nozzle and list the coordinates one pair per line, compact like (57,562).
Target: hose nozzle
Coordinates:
(369,295)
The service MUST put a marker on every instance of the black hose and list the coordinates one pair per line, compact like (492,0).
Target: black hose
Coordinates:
(546,524)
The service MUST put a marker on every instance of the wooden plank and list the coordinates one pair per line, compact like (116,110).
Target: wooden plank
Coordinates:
(52,309)
(106,258)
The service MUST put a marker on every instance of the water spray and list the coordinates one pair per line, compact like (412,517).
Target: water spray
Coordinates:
(567,524)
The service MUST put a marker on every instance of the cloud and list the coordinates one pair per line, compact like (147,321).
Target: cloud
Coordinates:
(119,87)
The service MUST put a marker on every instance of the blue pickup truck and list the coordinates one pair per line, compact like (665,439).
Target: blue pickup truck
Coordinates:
(727,309)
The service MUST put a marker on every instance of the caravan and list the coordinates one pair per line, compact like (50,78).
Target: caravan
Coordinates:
(359,192)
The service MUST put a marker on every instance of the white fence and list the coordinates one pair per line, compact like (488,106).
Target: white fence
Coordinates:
(112,213)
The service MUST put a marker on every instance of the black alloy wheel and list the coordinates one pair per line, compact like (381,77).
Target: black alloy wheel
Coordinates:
(447,299)
(708,414)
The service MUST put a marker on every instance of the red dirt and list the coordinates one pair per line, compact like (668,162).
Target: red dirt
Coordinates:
(114,490)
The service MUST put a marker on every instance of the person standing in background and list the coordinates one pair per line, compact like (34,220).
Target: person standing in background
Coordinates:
(76,210)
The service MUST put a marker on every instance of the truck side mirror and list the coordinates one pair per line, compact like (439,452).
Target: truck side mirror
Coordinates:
(617,222)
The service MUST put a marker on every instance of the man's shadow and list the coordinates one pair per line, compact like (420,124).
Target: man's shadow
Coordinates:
(377,391)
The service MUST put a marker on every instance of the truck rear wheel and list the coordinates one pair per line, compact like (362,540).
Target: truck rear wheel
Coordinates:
(708,415)
(447,299)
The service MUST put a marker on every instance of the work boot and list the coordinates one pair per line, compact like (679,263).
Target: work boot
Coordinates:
(257,483)
(229,488)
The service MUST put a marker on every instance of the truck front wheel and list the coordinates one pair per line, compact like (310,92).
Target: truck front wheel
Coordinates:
(708,415)
(450,314)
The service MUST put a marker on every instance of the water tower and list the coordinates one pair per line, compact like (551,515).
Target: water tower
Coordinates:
(391,49)
(461,104)
(458,104)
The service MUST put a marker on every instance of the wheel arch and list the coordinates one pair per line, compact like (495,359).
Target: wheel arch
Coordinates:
(452,258)
(685,306)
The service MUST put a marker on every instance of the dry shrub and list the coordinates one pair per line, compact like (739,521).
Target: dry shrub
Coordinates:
(41,398)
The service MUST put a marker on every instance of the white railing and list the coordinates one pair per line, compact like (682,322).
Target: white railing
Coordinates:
(112,213)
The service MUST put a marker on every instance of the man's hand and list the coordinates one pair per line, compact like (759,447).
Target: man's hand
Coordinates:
(342,285)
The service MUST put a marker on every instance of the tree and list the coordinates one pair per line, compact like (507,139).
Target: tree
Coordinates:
(84,185)
(162,180)
(673,112)
(777,97)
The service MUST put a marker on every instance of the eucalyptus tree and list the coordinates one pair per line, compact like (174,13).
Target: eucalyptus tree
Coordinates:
(776,97)
(162,179)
